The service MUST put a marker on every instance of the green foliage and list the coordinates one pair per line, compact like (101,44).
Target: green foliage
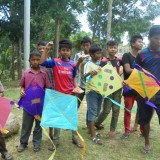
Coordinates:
(133,16)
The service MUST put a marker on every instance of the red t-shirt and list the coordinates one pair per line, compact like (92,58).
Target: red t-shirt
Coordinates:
(64,73)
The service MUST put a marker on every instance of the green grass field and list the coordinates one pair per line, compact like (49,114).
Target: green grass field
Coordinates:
(112,149)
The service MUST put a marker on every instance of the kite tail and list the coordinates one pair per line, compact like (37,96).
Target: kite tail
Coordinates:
(47,135)
(84,145)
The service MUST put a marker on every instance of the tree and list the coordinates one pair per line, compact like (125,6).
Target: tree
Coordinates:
(127,16)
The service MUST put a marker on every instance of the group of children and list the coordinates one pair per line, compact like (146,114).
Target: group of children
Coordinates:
(88,63)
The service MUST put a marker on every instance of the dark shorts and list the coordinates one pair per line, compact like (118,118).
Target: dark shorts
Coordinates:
(145,111)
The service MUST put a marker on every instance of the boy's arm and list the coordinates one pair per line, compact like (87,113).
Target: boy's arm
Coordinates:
(75,83)
(44,55)
(127,68)
(80,60)
(126,65)
(22,92)
(91,73)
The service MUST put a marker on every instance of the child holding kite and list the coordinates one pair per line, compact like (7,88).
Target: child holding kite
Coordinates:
(111,48)
(36,77)
(149,59)
(128,61)
(93,98)
(64,71)
(4,153)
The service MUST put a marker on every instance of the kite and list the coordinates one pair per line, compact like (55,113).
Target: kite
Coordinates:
(32,102)
(5,109)
(146,84)
(59,110)
(106,81)
(143,82)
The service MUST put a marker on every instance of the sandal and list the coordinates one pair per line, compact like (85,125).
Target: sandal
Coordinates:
(6,156)
(98,135)
(146,149)
(77,143)
(97,140)
(125,136)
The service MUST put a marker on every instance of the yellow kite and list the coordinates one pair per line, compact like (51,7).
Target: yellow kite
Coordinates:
(143,82)
(106,81)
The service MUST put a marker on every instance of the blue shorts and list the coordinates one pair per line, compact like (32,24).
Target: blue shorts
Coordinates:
(145,112)
(94,102)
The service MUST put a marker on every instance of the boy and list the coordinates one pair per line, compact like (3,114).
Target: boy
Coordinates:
(93,98)
(111,48)
(149,59)
(4,153)
(128,61)
(32,75)
(81,59)
(41,46)
(64,71)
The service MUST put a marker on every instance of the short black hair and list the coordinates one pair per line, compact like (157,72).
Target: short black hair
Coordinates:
(134,39)
(34,53)
(154,30)
(86,40)
(112,43)
(65,43)
(42,43)
(94,48)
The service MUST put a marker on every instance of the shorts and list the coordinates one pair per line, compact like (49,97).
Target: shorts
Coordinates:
(94,102)
(145,111)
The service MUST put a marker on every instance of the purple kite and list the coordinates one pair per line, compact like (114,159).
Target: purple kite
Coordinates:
(5,109)
(32,102)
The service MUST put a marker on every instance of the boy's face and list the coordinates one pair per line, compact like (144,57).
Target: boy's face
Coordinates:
(138,44)
(155,42)
(112,50)
(85,47)
(65,53)
(41,48)
(35,61)
(97,55)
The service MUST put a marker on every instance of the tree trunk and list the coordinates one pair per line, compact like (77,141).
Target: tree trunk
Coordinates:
(12,62)
(109,20)
(57,36)
(19,63)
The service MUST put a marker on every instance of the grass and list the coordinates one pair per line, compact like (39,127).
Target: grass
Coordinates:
(112,149)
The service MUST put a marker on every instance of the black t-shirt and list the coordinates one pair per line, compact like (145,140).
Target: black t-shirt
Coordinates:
(128,58)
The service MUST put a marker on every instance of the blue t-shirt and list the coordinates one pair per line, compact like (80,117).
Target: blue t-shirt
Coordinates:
(150,61)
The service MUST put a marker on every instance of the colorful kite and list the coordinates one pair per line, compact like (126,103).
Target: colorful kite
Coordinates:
(59,110)
(143,82)
(5,109)
(106,81)
(32,102)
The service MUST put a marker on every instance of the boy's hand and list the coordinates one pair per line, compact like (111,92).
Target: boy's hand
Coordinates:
(94,72)
(124,83)
(49,46)
(1,94)
(82,57)
(77,90)
(22,94)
